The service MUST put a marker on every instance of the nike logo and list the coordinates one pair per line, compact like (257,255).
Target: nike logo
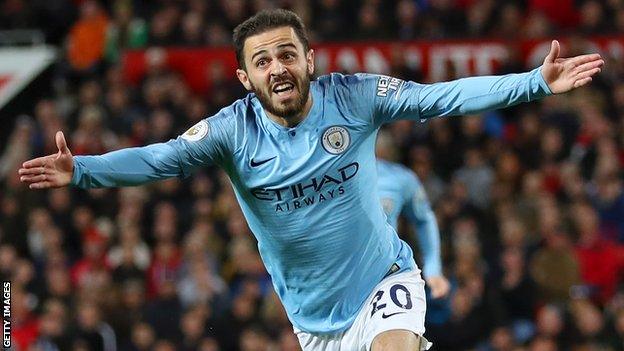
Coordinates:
(258,163)
(384,315)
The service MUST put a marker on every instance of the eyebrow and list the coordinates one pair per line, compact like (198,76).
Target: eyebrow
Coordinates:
(281,46)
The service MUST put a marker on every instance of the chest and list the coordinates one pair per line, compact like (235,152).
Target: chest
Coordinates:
(316,154)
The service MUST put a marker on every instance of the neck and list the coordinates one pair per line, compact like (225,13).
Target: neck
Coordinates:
(292,121)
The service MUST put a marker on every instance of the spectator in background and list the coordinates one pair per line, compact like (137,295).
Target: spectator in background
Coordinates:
(164,311)
(128,309)
(590,324)
(592,17)
(131,257)
(553,266)
(551,325)
(91,135)
(24,321)
(601,261)
(563,12)
(407,12)
(608,198)
(87,39)
(479,17)
(516,287)
(163,269)
(192,30)
(193,328)
(370,24)
(163,26)
(91,330)
(328,19)
(421,163)
(217,34)
(254,339)
(232,12)
(48,116)
(510,17)
(53,329)
(20,143)
(124,31)
(477,176)
(143,337)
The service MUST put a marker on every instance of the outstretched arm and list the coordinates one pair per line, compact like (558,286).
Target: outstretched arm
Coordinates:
(409,100)
(132,166)
(126,167)
(478,94)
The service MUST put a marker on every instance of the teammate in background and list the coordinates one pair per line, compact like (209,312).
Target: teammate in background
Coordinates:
(301,159)
(401,192)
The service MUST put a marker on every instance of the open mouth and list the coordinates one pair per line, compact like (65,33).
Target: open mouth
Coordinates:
(283,89)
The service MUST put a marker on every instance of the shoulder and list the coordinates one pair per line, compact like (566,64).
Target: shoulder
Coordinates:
(233,118)
(237,110)
(354,93)
(227,126)
(339,80)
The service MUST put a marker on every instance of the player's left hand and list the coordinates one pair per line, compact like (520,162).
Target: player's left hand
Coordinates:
(565,74)
(439,286)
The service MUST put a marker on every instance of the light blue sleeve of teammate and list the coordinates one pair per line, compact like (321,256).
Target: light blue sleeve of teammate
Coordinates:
(418,212)
(204,144)
(388,99)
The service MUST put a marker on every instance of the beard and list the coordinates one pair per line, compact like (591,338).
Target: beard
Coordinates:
(289,109)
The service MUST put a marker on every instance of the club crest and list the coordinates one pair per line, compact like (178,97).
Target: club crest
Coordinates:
(336,140)
(196,132)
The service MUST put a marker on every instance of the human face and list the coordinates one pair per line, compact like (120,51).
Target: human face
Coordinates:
(278,71)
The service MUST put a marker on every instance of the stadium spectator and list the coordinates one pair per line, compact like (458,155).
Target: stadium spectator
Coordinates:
(87,38)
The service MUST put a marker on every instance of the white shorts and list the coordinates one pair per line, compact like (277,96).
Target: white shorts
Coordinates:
(397,302)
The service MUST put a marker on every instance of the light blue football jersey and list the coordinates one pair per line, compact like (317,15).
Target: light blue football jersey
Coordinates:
(401,192)
(309,192)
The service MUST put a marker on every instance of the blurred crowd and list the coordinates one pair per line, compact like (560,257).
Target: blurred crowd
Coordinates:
(530,200)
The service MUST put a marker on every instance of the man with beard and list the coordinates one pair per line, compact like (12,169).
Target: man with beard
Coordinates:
(300,156)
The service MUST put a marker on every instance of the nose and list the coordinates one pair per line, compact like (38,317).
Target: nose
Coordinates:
(278,68)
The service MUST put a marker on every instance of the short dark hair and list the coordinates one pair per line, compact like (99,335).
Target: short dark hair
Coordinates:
(263,21)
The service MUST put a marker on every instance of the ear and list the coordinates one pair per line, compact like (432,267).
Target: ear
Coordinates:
(243,78)
(310,59)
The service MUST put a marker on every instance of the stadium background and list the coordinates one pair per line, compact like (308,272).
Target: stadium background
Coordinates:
(529,199)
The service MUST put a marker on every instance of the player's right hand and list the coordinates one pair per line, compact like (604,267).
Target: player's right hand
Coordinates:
(52,171)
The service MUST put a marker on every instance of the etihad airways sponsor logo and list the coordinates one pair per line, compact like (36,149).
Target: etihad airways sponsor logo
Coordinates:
(306,193)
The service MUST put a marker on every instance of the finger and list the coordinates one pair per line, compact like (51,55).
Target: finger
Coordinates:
(61,144)
(579,60)
(37,162)
(589,73)
(34,178)
(40,185)
(579,83)
(32,171)
(589,66)
(554,52)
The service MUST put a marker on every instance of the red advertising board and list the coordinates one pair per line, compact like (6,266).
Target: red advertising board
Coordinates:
(434,59)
